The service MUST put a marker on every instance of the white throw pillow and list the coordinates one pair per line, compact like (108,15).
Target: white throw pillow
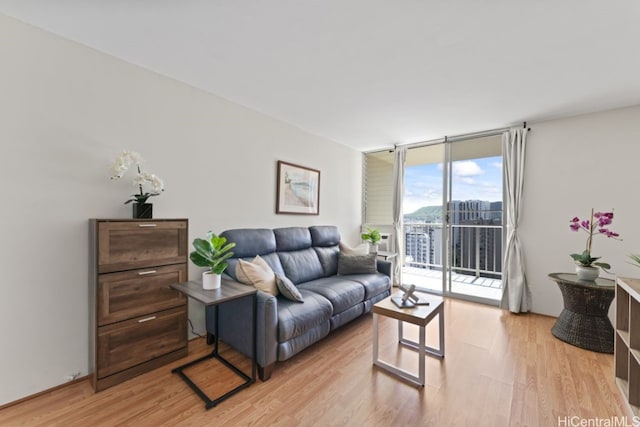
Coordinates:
(361,249)
(257,273)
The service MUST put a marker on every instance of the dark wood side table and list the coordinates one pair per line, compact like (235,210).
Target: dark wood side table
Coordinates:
(228,291)
(584,321)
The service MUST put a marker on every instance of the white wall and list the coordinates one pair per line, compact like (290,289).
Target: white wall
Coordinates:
(66,111)
(573,165)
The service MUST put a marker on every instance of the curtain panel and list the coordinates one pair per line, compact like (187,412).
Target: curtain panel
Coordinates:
(400,156)
(516,293)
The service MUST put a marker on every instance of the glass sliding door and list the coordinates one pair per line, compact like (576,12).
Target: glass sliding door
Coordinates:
(473,218)
(424,256)
(453,219)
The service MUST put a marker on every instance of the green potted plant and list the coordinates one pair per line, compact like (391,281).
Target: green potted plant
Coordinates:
(373,237)
(212,252)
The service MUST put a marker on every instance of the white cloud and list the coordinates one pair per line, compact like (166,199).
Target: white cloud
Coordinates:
(497,165)
(467,180)
(467,168)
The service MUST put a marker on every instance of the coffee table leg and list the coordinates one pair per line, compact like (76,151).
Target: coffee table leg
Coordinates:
(375,338)
(422,354)
(441,327)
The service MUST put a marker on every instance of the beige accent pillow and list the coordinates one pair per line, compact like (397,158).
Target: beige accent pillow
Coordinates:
(362,249)
(257,273)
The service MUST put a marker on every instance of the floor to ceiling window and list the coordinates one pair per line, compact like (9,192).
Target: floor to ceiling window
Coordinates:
(452,215)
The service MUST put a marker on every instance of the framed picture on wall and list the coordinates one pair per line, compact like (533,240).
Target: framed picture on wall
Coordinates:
(298,190)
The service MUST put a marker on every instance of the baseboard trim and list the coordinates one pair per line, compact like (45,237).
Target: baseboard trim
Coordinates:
(40,393)
(58,387)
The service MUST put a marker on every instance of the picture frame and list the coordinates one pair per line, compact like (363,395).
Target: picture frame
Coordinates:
(298,190)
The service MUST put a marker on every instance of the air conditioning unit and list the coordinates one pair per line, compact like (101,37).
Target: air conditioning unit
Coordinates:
(384,244)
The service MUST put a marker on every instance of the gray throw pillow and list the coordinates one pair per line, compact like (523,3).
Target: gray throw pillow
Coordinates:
(357,264)
(288,289)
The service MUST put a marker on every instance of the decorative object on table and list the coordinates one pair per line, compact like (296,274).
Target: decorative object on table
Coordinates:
(298,190)
(373,237)
(408,298)
(211,252)
(141,209)
(586,265)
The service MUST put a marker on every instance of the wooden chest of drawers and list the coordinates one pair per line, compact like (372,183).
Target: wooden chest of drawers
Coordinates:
(138,323)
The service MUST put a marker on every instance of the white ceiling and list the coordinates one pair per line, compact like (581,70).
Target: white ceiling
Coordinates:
(370,73)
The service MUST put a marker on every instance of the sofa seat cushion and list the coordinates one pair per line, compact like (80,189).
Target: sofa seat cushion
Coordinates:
(341,292)
(295,319)
(374,284)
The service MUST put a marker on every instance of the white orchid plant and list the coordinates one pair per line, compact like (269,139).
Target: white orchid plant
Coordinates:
(141,180)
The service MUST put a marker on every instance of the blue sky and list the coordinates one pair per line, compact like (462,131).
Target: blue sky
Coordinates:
(477,179)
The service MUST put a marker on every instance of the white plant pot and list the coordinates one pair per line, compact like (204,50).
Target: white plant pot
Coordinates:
(373,249)
(587,273)
(210,280)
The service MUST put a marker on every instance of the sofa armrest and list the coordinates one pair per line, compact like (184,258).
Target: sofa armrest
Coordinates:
(384,267)
(267,329)
(235,324)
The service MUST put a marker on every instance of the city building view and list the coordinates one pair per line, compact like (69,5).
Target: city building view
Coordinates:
(475,239)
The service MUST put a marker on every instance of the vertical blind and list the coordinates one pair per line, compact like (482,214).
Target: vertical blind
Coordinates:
(378,188)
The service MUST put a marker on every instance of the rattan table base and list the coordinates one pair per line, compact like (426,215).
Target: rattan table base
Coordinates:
(584,322)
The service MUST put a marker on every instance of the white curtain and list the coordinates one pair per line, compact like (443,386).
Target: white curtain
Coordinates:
(516,293)
(400,156)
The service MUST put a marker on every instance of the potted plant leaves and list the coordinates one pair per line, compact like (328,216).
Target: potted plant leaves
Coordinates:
(212,252)
(373,237)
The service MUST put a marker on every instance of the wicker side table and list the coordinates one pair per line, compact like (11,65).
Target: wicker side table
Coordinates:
(584,321)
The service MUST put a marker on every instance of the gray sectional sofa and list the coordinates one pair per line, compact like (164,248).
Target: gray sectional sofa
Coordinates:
(309,257)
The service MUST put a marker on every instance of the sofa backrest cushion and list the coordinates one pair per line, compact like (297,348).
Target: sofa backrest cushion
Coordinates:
(324,235)
(292,239)
(251,241)
(301,266)
(328,259)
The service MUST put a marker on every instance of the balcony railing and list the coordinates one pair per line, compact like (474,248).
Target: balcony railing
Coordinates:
(476,249)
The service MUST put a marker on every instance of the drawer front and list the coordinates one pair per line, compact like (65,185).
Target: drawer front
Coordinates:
(127,344)
(129,294)
(126,245)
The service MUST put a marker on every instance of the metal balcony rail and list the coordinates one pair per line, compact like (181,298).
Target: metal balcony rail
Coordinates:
(476,249)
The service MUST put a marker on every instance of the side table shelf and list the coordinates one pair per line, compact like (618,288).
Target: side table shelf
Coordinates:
(627,341)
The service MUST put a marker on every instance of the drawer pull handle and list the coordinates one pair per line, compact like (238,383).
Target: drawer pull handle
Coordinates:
(147,225)
(146,319)
(142,273)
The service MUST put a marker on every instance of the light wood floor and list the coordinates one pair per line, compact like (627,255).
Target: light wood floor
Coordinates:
(500,369)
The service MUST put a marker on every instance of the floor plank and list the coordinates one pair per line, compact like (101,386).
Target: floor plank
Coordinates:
(500,369)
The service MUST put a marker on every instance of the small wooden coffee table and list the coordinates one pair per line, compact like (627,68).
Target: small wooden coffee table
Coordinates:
(420,315)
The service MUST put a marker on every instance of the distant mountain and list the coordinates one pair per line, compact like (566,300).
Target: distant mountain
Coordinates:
(427,214)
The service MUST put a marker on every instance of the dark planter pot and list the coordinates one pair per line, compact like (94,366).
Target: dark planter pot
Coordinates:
(142,210)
